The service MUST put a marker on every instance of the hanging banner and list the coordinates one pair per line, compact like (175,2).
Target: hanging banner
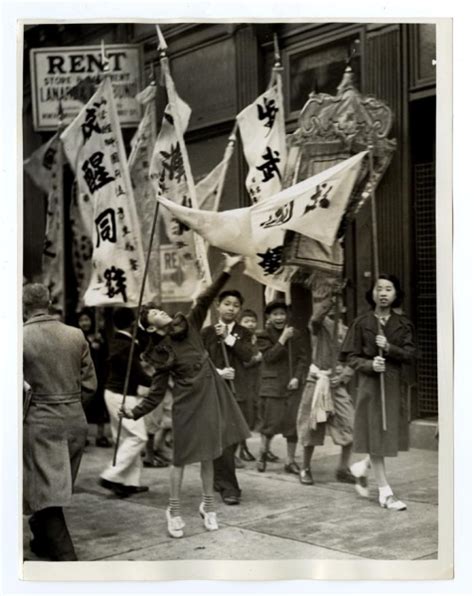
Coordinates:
(45,167)
(262,129)
(94,147)
(57,74)
(139,162)
(81,217)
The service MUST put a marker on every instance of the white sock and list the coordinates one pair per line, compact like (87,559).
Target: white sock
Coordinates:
(385,491)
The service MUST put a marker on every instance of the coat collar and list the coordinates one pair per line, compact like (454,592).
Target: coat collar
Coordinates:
(39,319)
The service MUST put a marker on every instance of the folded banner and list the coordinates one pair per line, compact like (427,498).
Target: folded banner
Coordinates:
(139,162)
(94,147)
(313,207)
(45,167)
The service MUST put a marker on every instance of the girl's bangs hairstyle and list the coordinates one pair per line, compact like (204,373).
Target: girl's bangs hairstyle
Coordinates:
(399,293)
(143,321)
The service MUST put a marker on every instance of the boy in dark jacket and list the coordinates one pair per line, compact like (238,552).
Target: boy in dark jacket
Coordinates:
(229,346)
(284,365)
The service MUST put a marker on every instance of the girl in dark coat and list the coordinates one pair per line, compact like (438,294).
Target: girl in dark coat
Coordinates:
(392,333)
(205,415)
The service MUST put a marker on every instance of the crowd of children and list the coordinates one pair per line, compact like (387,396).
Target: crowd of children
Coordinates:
(230,378)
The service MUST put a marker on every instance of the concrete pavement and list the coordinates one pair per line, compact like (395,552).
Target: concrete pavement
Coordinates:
(278,517)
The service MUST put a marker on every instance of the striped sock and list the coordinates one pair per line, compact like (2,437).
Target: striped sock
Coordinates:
(175,508)
(208,501)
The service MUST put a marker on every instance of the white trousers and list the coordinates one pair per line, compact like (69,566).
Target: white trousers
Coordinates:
(133,438)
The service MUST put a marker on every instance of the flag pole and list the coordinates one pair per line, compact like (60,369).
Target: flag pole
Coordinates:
(229,151)
(227,364)
(375,250)
(61,127)
(140,301)
(203,265)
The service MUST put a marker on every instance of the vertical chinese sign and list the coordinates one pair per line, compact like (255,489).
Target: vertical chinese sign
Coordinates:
(45,167)
(94,147)
(262,129)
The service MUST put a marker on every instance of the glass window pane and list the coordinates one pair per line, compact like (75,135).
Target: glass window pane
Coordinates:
(320,70)
(426,51)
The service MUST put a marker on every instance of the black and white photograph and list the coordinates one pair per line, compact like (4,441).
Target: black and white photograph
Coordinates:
(196,389)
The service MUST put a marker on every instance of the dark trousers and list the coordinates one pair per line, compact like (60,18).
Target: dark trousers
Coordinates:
(225,480)
(51,538)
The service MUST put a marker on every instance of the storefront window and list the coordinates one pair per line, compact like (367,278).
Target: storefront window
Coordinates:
(426,51)
(320,70)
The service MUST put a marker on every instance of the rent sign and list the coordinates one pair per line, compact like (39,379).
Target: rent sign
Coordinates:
(72,74)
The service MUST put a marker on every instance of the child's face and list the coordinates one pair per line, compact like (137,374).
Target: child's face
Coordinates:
(249,323)
(229,309)
(384,293)
(85,324)
(277,318)
(158,318)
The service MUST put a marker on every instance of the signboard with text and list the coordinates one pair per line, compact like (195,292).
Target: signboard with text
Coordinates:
(177,284)
(72,74)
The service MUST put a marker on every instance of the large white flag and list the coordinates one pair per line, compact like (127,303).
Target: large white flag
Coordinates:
(313,207)
(172,177)
(139,162)
(94,147)
(262,129)
(45,167)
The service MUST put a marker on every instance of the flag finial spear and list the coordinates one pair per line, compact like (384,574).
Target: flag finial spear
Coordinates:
(276,50)
(162,45)
(105,60)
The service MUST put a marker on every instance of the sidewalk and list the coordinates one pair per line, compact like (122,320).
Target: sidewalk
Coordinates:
(278,517)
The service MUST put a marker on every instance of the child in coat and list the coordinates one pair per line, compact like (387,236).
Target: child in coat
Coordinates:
(205,416)
(381,342)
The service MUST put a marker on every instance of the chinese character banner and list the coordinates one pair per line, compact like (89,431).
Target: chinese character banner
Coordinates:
(94,147)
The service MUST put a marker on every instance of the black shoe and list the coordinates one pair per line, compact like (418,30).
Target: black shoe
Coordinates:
(345,475)
(245,454)
(292,468)
(306,477)
(262,462)
(39,549)
(271,457)
(230,499)
(119,489)
(103,442)
(133,490)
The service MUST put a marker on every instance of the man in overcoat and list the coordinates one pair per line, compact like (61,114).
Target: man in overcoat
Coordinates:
(58,368)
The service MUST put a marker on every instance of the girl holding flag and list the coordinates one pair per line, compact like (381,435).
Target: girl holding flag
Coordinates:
(380,329)
(205,416)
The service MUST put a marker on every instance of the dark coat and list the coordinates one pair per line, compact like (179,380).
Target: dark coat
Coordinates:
(206,417)
(275,367)
(117,362)
(359,350)
(239,354)
(58,366)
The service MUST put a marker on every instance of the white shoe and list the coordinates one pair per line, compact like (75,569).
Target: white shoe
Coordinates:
(359,471)
(175,525)
(210,519)
(391,502)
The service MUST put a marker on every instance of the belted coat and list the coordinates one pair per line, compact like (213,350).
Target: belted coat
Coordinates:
(58,366)
(205,416)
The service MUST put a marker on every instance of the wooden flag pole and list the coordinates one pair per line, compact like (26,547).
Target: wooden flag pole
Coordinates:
(227,363)
(135,329)
(137,320)
(61,127)
(376,275)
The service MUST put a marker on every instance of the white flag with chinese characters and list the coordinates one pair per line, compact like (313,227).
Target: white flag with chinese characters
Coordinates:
(45,167)
(313,207)
(139,164)
(262,128)
(94,147)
